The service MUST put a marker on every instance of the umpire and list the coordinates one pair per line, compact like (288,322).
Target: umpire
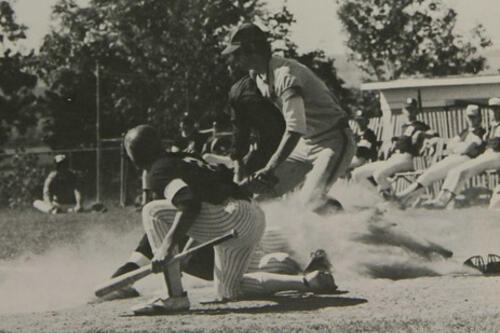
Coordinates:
(317,145)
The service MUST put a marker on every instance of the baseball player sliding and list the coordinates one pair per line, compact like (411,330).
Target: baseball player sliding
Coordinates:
(203,202)
(317,145)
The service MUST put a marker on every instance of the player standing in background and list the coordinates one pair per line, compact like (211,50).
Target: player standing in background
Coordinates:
(490,159)
(462,148)
(61,190)
(366,141)
(317,144)
(203,203)
(406,146)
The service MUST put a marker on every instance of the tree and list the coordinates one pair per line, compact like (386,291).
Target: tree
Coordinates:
(396,38)
(17,83)
(158,59)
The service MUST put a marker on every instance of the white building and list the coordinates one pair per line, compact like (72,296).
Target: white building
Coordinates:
(436,94)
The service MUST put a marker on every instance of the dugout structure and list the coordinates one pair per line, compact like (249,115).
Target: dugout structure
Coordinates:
(442,103)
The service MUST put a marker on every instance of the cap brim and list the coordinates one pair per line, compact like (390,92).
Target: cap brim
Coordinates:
(230,49)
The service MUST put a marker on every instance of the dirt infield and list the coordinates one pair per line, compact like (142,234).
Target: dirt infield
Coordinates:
(441,304)
(393,265)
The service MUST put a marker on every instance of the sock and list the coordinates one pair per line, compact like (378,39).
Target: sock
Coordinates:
(127,267)
(145,248)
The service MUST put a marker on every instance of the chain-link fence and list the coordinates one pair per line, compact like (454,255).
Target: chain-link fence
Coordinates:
(23,171)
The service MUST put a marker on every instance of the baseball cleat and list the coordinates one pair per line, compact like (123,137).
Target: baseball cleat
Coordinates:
(320,282)
(160,306)
(318,262)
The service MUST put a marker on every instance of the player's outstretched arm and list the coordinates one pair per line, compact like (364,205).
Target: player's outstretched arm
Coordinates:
(188,208)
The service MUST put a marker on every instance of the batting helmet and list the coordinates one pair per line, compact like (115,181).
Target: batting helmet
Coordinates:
(143,145)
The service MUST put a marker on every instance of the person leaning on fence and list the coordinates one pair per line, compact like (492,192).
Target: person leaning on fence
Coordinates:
(405,147)
(490,159)
(462,148)
(61,191)
(366,141)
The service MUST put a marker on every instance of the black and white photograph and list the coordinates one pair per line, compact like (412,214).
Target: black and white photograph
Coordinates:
(249,166)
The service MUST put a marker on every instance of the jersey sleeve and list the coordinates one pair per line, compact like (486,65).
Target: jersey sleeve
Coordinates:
(286,84)
(161,174)
(47,187)
(295,114)
(177,191)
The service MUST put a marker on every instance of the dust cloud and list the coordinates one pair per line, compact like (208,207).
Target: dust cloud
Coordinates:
(362,243)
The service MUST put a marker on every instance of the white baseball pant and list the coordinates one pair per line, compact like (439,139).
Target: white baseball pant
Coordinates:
(382,170)
(457,176)
(316,165)
(46,207)
(231,257)
(440,169)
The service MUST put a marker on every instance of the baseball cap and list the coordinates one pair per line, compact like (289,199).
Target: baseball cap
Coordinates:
(59,158)
(245,33)
(472,110)
(494,101)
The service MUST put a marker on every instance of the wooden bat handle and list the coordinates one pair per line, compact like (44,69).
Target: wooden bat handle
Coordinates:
(129,278)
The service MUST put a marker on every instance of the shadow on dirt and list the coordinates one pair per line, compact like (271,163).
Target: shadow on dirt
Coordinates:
(399,271)
(280,304)
(274,304)
(388,235)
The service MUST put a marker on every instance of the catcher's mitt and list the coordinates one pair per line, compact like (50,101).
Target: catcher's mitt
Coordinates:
(260,184)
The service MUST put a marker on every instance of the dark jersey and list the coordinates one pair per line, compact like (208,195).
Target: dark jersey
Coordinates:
(194,143)
(252,112)
(412,138)
(60,186)
(478,133)
(212,184)
(366,144)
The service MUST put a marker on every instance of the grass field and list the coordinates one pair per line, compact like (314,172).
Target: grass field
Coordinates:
(26,232)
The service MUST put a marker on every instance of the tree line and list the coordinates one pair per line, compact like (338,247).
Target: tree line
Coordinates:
(157,59)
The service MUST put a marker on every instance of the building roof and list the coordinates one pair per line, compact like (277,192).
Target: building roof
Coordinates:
(432,82)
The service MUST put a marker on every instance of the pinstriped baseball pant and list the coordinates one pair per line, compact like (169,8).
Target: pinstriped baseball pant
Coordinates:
(231,257)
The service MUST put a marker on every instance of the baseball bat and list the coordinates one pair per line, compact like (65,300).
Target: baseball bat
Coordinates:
(131,277)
